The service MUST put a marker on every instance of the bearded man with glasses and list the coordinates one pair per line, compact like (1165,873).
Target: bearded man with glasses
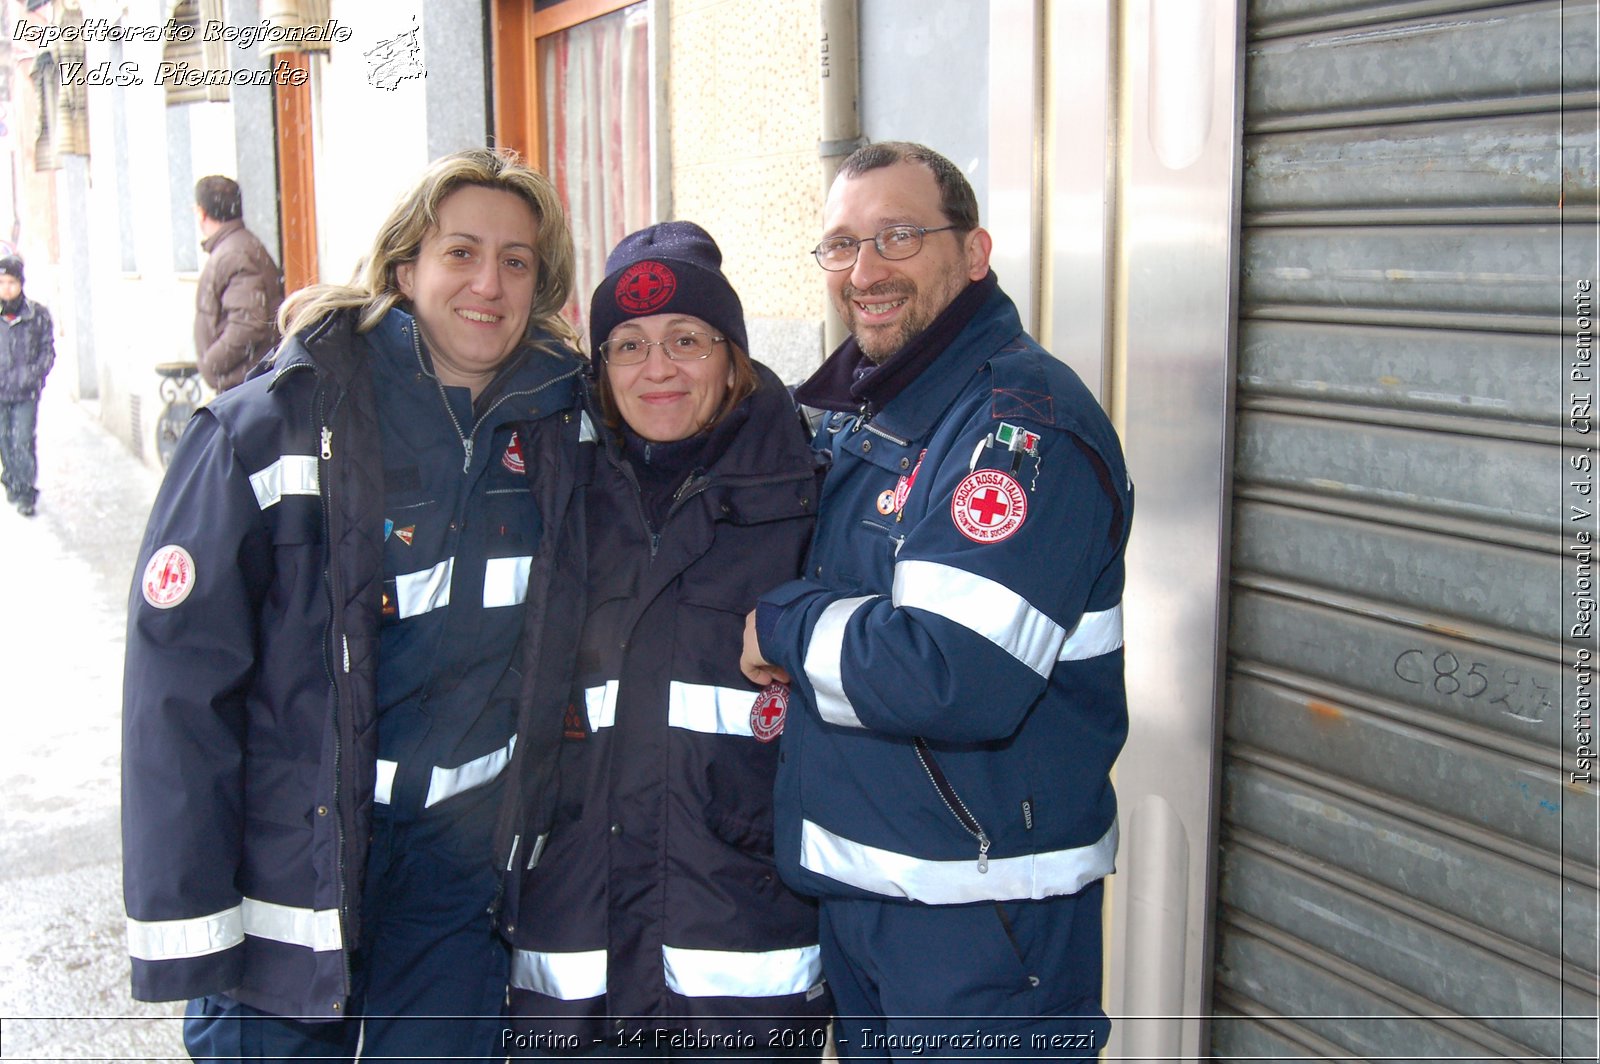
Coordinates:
(954,645)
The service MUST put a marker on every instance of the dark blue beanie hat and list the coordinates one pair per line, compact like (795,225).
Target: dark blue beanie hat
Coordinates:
(670,268)
(12,266)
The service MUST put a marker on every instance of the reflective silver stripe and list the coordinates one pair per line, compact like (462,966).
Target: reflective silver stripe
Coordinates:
(897,875)
(726,973)
(568,976)
(385,788)
(505,581)
(712,710)
(825,665)
(984,606)
(417,593)
(1004,617)
(601,704)
(537,851)
(1096,634)
(292,474)
(315,929)
(173,940)
(586,433)
(448,782)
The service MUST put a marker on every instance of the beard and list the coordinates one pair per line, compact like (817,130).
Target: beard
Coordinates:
(879,342)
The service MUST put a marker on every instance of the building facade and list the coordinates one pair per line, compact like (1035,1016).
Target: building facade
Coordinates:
(1329,264)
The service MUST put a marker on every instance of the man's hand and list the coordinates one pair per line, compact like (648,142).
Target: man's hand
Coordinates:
(757,668)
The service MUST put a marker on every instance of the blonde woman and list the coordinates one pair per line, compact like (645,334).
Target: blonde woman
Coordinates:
(340,604)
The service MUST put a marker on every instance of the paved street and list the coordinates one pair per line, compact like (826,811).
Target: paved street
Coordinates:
(63,969)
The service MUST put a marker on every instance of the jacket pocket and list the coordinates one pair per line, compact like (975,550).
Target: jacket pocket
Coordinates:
(739,801)
(952,801)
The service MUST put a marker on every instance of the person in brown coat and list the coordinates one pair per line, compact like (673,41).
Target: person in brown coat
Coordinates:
(236,307)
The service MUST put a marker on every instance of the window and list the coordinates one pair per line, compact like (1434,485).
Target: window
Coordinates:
(573,93)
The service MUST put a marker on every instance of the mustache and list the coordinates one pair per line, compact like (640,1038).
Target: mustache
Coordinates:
(880,292)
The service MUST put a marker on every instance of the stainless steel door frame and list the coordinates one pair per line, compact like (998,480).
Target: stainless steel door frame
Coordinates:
(1119,195)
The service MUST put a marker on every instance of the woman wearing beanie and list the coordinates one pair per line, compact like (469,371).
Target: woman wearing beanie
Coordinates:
(652,921)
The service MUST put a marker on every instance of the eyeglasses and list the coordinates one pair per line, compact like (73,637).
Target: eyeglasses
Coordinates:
(678,347)
(892,241)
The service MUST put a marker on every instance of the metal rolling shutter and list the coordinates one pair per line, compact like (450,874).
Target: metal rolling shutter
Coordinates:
(1405,868)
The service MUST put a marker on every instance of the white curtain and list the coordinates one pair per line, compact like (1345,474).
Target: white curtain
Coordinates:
(595,93)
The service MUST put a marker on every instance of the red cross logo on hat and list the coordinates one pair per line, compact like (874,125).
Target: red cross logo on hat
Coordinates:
(645,286)
(988,506)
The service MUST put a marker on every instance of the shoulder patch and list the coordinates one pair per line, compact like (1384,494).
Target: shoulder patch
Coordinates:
(168,577)
(988,506)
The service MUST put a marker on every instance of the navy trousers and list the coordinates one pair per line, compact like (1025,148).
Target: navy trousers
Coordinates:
(429,979)
(995,981)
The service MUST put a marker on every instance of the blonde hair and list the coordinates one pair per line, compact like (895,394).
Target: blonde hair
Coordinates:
(375,288)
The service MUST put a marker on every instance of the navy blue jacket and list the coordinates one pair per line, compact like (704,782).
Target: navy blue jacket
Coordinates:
(250,709)
(656,896)
(956,643)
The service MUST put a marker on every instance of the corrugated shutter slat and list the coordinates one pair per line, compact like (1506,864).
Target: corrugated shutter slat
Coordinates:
(1406,868)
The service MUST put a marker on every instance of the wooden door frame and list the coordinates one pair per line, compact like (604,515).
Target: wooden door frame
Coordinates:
(515,29)
(297,179)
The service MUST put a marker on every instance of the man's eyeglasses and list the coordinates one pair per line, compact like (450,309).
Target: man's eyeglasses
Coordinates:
(678,346)
(892,241)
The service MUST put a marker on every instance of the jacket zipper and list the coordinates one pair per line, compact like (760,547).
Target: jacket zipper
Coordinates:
(863,420)
(953,802)
(891,437)
(678,497)
(467,438)
(638,505)
(697,483)
(693,485)
(325,485)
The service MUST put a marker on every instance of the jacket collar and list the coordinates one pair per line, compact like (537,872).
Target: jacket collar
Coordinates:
(25,312)
(758,444)
(537,362)
(334,346)
(228,229)
(916,405)
(328,347)
(762,445)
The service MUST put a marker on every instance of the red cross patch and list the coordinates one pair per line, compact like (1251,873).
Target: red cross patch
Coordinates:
(988,506)
(766,716)
(168,577)
(645,286)
(512,459)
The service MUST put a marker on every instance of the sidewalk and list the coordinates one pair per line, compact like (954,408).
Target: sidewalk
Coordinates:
(63,962)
